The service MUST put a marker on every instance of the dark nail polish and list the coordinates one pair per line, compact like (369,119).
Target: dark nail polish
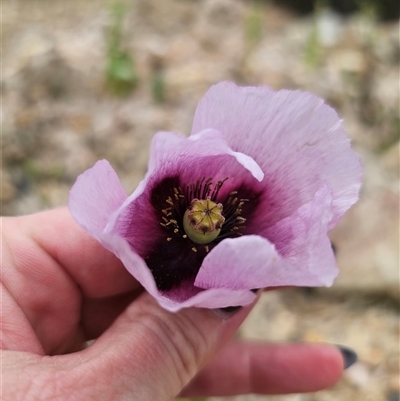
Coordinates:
(228,312)
(231,309)
(349,356)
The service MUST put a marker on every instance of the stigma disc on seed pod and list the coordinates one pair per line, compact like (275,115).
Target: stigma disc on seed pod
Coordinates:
(203,221)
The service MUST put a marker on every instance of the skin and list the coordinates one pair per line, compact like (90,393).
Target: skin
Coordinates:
(60,288)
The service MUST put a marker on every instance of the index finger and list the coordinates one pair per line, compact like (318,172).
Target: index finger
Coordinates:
(97,271)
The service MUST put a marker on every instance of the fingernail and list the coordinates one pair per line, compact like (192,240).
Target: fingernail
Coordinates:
(229,311)
(349,356)
(226,313)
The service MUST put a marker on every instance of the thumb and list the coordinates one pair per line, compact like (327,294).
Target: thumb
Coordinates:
(151,354)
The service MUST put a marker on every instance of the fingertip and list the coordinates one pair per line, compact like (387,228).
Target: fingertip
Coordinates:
(331,365)
(307,367)
(252,367)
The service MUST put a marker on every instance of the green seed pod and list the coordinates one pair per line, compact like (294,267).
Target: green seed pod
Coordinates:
(203,221)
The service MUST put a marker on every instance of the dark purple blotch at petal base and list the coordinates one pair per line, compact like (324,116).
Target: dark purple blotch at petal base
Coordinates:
(173,259)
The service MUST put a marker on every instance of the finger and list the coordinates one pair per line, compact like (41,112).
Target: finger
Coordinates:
(44,295)
(151,354)
(98,272)
(97,315)
(16,330)
(243,368)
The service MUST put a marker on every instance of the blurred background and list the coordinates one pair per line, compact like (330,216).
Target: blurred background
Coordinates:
(90,79)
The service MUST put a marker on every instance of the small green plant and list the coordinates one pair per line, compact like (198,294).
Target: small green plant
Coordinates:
(254,24)
(370,8)
(120,71)
(368,15)
(158,86)
(313,50)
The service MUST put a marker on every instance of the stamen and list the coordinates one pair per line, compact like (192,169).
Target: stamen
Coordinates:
(217,188)
(221,222)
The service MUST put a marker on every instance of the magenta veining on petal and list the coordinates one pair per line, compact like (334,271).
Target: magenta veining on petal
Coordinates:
(245,202)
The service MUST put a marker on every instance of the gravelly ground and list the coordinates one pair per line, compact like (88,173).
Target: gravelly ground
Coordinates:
(60,117)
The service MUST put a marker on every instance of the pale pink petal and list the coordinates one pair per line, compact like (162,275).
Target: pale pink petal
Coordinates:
(212,299)
(169,150)
(132,261)
(253,262)
(297,140)
(95,196)
(302,241)
(246,262)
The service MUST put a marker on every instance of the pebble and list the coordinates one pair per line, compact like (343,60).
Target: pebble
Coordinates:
(329,27)
(359,375)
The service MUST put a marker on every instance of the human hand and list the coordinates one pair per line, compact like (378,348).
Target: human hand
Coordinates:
(61,288)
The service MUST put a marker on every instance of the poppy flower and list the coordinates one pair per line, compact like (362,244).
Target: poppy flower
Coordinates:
(245,202)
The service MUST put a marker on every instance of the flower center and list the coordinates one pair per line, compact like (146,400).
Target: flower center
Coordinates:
(203,221)
(196,216)
(175,255)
